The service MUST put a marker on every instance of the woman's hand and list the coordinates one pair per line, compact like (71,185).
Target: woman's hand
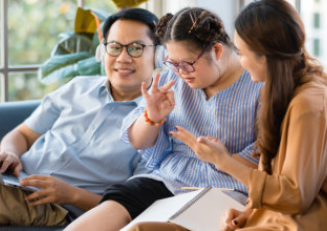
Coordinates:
(160,102)
(208,149)
(233,219)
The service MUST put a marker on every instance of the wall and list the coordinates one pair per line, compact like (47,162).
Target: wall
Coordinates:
(226,10)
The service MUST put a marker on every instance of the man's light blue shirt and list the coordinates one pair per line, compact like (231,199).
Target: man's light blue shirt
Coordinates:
(80,124)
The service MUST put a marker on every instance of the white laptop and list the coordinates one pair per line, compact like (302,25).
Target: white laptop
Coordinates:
(12,181)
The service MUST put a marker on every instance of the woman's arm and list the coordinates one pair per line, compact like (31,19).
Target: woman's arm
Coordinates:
(299,169)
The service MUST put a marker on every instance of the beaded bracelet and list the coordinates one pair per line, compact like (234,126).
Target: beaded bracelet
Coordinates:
(147,120)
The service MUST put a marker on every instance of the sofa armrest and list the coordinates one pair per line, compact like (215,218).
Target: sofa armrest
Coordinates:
(13,113)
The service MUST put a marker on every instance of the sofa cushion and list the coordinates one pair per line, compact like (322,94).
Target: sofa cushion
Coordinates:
(13,113)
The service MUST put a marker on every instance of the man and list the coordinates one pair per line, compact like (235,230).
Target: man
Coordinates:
(71,142)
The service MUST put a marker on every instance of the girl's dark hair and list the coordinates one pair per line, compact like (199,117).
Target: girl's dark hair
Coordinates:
(197,26)
(134,14)
(273,28)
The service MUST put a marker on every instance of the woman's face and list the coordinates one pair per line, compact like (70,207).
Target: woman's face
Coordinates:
(205,72)
(256,65)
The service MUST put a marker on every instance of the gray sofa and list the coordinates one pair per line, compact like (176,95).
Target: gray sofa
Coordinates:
(12,114)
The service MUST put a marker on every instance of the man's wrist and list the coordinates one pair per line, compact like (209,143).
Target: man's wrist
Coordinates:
(10,152)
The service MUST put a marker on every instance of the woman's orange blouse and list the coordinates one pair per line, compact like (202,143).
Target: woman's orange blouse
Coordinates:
(294,197)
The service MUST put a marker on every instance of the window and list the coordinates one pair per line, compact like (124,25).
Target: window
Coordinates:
(34,28)
(316,47)
(25,85)
(29,35)
(315,25)
(29,30)
(316,20)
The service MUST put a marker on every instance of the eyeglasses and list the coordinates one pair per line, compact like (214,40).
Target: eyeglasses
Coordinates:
(134,50)
(184,65)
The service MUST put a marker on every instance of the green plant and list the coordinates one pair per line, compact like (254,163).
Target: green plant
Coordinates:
(73,55)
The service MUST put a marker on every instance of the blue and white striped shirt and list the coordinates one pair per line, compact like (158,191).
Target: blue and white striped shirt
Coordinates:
(228,115)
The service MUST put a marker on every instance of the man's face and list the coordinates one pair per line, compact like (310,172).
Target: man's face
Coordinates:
(124,72)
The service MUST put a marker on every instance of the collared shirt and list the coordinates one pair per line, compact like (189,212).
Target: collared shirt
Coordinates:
(80,124)
(228,115)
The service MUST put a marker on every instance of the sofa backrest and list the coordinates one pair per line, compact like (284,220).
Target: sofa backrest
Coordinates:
(13,113)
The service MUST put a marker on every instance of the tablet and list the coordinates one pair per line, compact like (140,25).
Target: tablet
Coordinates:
(13,181)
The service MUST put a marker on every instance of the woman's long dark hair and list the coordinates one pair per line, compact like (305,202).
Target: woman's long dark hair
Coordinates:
(273,28)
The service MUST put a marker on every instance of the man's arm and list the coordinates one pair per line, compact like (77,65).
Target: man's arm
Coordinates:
(85,200)
(53,190)
(14,145)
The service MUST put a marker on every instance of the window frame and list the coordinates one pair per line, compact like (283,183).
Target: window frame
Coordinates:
(5,68)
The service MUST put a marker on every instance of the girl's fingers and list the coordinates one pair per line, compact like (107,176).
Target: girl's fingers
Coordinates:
(204,140)
(171,98)
(167,86)
(212,138)
(155,82)
(144,91)
(184,136)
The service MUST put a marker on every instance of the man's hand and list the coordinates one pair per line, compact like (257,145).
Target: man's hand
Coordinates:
(10,161)
(52,190)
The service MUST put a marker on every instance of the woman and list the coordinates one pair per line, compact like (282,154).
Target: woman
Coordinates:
(206,91)
(288,192)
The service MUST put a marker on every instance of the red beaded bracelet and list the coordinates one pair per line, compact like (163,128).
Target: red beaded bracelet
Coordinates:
(150,121)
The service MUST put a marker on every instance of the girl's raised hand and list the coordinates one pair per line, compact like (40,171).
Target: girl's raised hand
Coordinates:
(160,102)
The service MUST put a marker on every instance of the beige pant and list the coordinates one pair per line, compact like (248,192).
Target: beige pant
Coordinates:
(15,210)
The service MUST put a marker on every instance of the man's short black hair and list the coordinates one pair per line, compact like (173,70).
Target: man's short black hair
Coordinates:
(134,14)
